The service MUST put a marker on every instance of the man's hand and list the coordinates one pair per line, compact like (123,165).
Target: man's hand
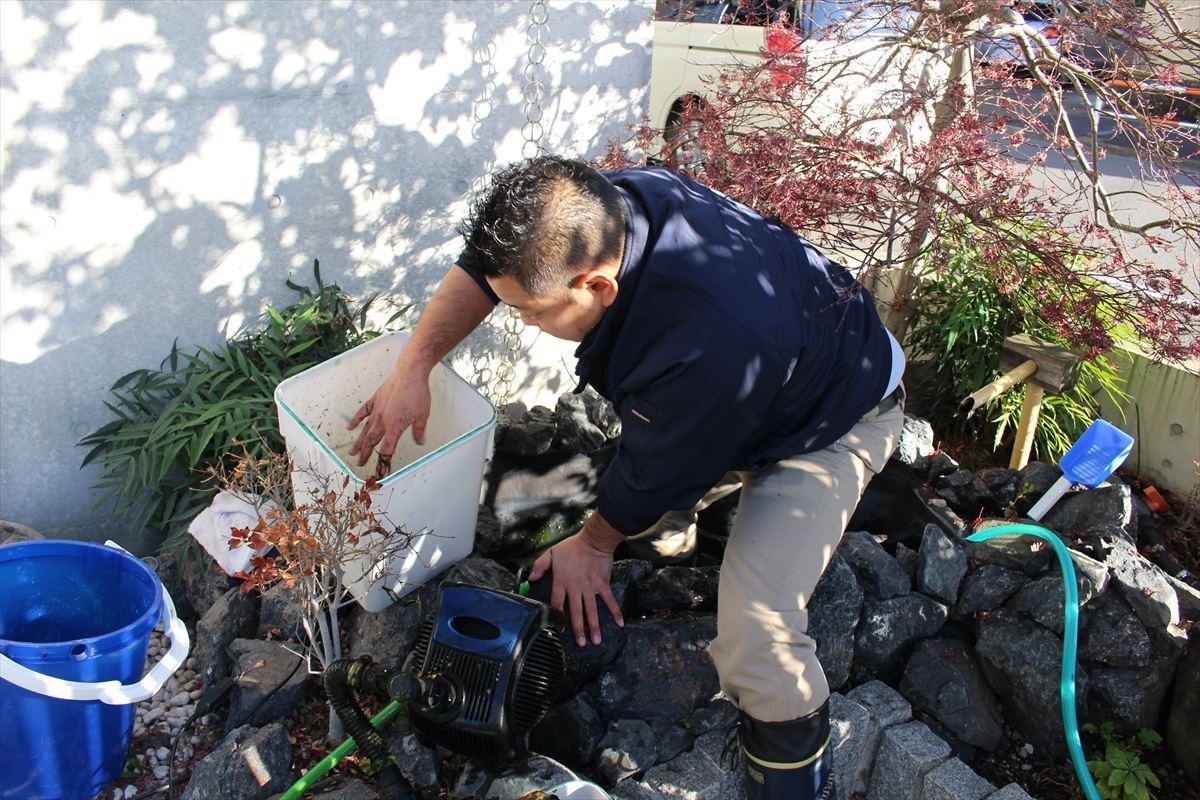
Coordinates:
(583,569)
(401,402)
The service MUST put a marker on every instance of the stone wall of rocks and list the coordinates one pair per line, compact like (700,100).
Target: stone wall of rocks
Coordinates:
(937,648)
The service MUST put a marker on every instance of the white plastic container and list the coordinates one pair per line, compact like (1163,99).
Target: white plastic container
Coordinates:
(435,487)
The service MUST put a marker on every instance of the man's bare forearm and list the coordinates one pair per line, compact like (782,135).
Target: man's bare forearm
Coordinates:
(455,309)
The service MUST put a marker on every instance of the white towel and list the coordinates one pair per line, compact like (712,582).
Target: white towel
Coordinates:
(212,526)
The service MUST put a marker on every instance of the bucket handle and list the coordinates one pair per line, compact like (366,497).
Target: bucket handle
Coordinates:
(114,693)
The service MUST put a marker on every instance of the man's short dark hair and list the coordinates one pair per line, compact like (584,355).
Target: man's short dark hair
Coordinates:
(542,221)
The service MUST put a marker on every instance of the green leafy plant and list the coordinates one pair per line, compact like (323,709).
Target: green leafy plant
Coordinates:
(171,425)
(1121,774)
(963,314)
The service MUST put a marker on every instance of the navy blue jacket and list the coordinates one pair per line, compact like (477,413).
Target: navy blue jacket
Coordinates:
(732,344)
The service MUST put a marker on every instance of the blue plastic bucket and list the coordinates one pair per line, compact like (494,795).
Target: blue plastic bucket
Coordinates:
(81,612)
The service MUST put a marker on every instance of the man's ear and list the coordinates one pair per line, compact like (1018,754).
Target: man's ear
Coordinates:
(600,284)
(603,286)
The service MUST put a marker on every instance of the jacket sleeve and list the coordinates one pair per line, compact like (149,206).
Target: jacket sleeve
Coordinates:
(467,265)
(683,426)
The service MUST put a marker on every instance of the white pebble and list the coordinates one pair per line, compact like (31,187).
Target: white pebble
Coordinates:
(139,730)
(153,714)
(195,738)
(118,794)
(163,754)
(190,663)
(195,693)
(160,772)
(130,792)
(180,699)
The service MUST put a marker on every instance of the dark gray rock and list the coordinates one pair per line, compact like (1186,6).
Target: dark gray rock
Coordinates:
(908,559)
(966,493)
(343,788)
(1105,507)
(419,763)
(833,612)
(916,441)
(489,538)
(889,629)
(576,433)
(266,673)
(484,572)
(584,662)
(248,764)
(1004,485)
(670,672)
(388,636)
(1183,722)
(570,732)
(678,588)
(878,573)
(941,565)
(718,715)
(529,491)
(943,680)
(203,583)
(233,616)
(13,532)
(1111,634)
(1042,598)
(1132,697)
(1022,662)
(601,413)
(941,464)
(1025,554)
(1144,586)
(628,747)
(986,589)
(671,738)
(1036,480)
(281,614)
(526,438)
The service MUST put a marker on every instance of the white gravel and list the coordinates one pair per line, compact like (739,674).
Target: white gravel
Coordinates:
(160,719)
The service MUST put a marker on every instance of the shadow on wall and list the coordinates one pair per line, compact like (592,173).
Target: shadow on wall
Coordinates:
(167,166)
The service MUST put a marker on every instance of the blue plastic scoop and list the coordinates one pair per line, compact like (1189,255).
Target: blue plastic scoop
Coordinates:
(1096,455)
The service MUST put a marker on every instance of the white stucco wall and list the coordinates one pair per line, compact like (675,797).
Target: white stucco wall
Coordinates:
(166,166)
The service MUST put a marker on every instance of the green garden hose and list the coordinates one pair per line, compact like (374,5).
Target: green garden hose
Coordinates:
(322,767)
(1070,641)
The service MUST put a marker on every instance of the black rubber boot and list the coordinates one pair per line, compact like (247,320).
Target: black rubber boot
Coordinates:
(787,760)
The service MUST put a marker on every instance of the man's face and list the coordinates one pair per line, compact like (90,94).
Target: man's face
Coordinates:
(568,315)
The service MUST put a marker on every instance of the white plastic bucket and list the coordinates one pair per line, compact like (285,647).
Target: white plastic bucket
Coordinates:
(435,487)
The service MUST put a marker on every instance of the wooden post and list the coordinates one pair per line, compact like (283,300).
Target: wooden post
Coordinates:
(1031,409)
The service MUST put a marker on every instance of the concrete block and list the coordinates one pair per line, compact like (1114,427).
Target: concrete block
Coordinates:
(697,774)
(885,707)
(954,780)
(850,728)
(1010,792)
(634,790)
(883,702)
(907,753)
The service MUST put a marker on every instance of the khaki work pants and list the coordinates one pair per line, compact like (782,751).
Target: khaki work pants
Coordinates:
(790,520)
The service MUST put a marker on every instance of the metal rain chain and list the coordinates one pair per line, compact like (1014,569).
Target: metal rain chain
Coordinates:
(532,131)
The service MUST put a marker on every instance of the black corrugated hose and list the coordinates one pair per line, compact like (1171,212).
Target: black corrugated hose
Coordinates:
(340,679)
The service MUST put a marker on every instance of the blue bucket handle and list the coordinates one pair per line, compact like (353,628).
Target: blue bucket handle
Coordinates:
(114,693)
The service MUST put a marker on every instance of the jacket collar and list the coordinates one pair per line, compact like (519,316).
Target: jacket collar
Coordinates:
(593,351)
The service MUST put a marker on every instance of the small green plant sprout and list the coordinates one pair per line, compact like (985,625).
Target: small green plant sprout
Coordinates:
(1122,775)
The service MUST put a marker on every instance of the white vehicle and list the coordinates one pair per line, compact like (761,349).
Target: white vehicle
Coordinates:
(695,39)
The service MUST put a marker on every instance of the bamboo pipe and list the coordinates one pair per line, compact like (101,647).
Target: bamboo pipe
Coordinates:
(1031,409)
(974,402)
